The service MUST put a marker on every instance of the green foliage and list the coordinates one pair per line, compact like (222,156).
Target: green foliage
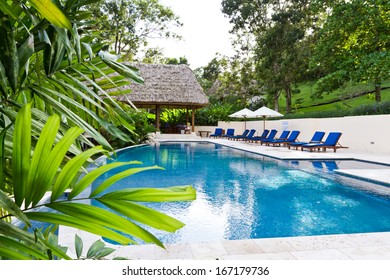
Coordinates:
(54,90)
(357,50)
(173,117)
(282,32)
(213,113)
(43,168)
(301,41)
(56,70)
(380,108)
(143,126)
(127,24)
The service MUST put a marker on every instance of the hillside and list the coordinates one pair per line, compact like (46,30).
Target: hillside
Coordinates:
(344,99)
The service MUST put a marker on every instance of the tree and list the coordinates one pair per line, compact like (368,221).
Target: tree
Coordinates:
(280,60)
(175,61)
(280,29)
(154,56)
(128,24)
(356,50)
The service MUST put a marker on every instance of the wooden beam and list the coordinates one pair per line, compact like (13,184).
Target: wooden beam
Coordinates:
(158,117)
(186,115)
(193,120)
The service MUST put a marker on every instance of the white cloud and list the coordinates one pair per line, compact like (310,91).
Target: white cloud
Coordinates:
(205,32)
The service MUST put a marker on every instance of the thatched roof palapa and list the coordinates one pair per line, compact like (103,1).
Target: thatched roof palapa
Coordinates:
(169,86)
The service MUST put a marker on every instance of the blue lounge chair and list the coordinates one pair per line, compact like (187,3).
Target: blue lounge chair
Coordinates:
(217,133)
(331,142)
(229,133)
(257,138)
(283,136)
(238,137)
(290,139)
(270,136)
(317,138)
(250,134)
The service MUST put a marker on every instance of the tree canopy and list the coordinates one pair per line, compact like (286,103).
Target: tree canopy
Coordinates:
(357,50)
(296,41)
(126,25)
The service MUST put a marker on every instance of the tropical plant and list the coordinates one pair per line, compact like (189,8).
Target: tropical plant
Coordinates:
(48,58)
(97,251)
(53,91)
(143,126)
(213,113)
(173,117)
(36,175)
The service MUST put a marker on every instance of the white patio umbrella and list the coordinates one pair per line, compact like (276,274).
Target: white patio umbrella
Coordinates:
(265,112)
(242,114)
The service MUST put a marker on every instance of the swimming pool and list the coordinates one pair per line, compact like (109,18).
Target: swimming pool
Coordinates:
(242,195)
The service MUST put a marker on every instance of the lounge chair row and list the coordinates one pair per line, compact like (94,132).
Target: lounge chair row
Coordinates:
(286,138)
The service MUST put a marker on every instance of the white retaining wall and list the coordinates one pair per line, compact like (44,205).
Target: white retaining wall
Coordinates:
(368,134)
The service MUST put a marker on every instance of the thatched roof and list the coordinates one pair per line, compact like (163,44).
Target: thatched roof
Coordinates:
(170,86)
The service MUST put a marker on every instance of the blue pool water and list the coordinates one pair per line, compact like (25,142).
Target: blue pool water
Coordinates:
(241,195)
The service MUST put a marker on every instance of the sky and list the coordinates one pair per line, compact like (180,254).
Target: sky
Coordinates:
(205,32)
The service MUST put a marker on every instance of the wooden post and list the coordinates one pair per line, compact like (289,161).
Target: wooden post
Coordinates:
(193,120)
(186,115)
(158,117)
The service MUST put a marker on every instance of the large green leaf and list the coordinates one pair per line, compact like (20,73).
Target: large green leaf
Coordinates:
(116,109)
(54,53)
(24,252)
(21,153)
(9,10)
(9,230)
(13,209)
(82,109)
(3,81)
(77,43)
(104,218)
(42,151)
(125,70)
(115,178)
(2,156)
(9,53)
(94,174)
(70,170)
(51,164)
(25,51)
(52,13)
(11,254)
(80,224)
(63,110)
(76,87)
(96,85)
(38,121)
(143,214)
(154,195)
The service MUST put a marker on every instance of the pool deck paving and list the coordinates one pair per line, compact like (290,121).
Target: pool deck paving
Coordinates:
(359,246)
